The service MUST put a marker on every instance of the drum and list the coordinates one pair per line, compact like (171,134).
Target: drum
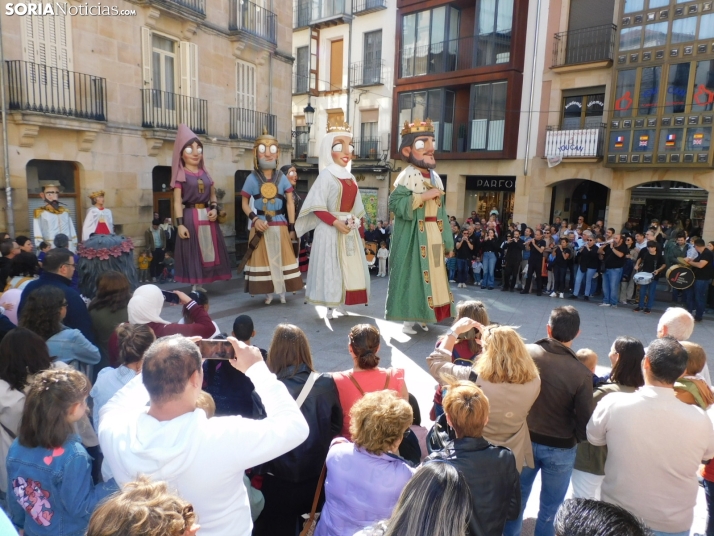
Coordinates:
(643,278)
(680,277)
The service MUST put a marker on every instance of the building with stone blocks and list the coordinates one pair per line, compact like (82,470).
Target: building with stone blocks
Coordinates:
(94,101)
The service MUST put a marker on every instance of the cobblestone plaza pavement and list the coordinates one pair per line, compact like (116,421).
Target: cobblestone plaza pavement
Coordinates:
(600,326)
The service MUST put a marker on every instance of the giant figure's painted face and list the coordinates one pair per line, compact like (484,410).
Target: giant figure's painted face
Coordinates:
(342,150)
(192,154)
(422,152)
(268,155)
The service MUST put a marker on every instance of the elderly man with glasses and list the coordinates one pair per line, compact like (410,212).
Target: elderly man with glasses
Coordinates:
(53,219)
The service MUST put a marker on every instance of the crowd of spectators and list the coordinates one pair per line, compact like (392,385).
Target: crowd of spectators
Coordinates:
(262,442)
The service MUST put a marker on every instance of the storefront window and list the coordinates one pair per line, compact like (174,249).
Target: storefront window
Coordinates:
(655,34)
(630,38)
(677,83)
(644,141)
(670,139)
(698,139)
(624,93)
(683,30)
(649,90)
(703,98)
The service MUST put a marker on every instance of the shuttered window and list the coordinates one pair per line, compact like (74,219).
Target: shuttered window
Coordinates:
(245,85)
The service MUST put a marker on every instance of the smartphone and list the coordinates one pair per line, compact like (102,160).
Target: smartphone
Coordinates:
(216,349)
(170,297)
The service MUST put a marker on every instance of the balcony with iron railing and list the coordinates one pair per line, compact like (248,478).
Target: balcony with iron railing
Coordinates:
(301,143)
(164,110)
(584,48)
(575,143)
(362,7)
(248,124)
(300,83)
(34,87)
(249,17)
(367,148)
(321,13)
(367,73)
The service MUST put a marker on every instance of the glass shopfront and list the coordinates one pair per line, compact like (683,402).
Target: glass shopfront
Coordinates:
(486,193)
(671,201)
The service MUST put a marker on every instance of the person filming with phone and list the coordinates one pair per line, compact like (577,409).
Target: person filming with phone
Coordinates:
(145,309)
(203,459)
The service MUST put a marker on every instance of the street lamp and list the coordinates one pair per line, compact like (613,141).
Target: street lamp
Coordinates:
(309,115)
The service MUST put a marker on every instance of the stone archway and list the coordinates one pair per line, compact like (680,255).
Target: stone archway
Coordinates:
(575,197)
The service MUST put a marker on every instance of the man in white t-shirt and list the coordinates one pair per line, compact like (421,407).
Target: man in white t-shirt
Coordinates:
(203,459)
(655,444)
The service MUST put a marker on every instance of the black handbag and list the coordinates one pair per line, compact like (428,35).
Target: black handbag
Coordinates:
(439,435)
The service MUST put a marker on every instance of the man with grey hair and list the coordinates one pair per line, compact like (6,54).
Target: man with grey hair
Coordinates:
(153,427)
(418,283)
(679,323)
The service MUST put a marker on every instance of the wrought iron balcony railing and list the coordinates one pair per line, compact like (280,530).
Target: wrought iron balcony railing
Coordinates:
(39,88)
(367,148)
(367,73)
(316,12)
(254,19)
(248,124)
(587,45)
(362,7)
(199,6)
(165,110)
(580,143)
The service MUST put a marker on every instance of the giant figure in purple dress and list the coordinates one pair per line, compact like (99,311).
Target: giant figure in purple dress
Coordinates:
(200,255)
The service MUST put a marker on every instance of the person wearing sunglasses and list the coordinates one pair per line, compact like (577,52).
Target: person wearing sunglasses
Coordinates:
(52,219)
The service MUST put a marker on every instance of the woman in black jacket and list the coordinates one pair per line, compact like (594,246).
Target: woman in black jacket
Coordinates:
(289,481)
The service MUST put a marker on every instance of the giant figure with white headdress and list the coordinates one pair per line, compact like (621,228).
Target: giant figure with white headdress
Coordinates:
(338,273)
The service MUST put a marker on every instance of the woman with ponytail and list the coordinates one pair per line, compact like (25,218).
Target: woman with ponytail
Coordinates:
(365,376)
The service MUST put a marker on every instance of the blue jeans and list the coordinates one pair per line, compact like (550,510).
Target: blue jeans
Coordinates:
(556,466)
(649,291)
(660,533)
(452,274)
(588,281)
(611,285)
(709,492)
(696,297)
(462,270)
(679,296)
(477,277)
(489,269)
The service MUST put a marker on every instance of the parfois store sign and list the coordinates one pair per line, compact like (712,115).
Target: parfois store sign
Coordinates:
(491,183)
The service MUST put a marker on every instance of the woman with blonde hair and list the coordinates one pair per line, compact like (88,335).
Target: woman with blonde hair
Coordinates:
(289,481)
(508,376)
(144,508)
(365,478)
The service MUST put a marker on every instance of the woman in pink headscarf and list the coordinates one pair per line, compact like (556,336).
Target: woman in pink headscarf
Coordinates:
(200,254)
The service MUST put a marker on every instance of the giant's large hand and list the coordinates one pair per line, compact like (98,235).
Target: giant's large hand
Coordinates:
(430,194)
(182,231)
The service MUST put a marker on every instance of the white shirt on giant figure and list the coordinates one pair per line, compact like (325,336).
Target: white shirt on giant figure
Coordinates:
(49,222)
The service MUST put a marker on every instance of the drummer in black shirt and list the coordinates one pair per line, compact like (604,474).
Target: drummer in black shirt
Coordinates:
(535,263)
(651,261)
(703,268)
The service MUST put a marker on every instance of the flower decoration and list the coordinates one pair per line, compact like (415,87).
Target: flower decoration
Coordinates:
(353,222)
(104,253)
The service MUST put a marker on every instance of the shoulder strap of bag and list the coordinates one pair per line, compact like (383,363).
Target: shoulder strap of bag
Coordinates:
(8,431)
(307,388)
(354,381)
(386,383)
(315,500)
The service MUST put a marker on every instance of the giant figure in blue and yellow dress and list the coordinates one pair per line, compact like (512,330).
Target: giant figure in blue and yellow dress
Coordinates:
(418,283)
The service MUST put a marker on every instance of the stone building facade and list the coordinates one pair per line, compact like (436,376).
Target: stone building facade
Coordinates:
(94,101)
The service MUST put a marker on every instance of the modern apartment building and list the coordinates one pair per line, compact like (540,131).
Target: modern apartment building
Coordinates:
(94,101)
(344,68)
(626,114)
